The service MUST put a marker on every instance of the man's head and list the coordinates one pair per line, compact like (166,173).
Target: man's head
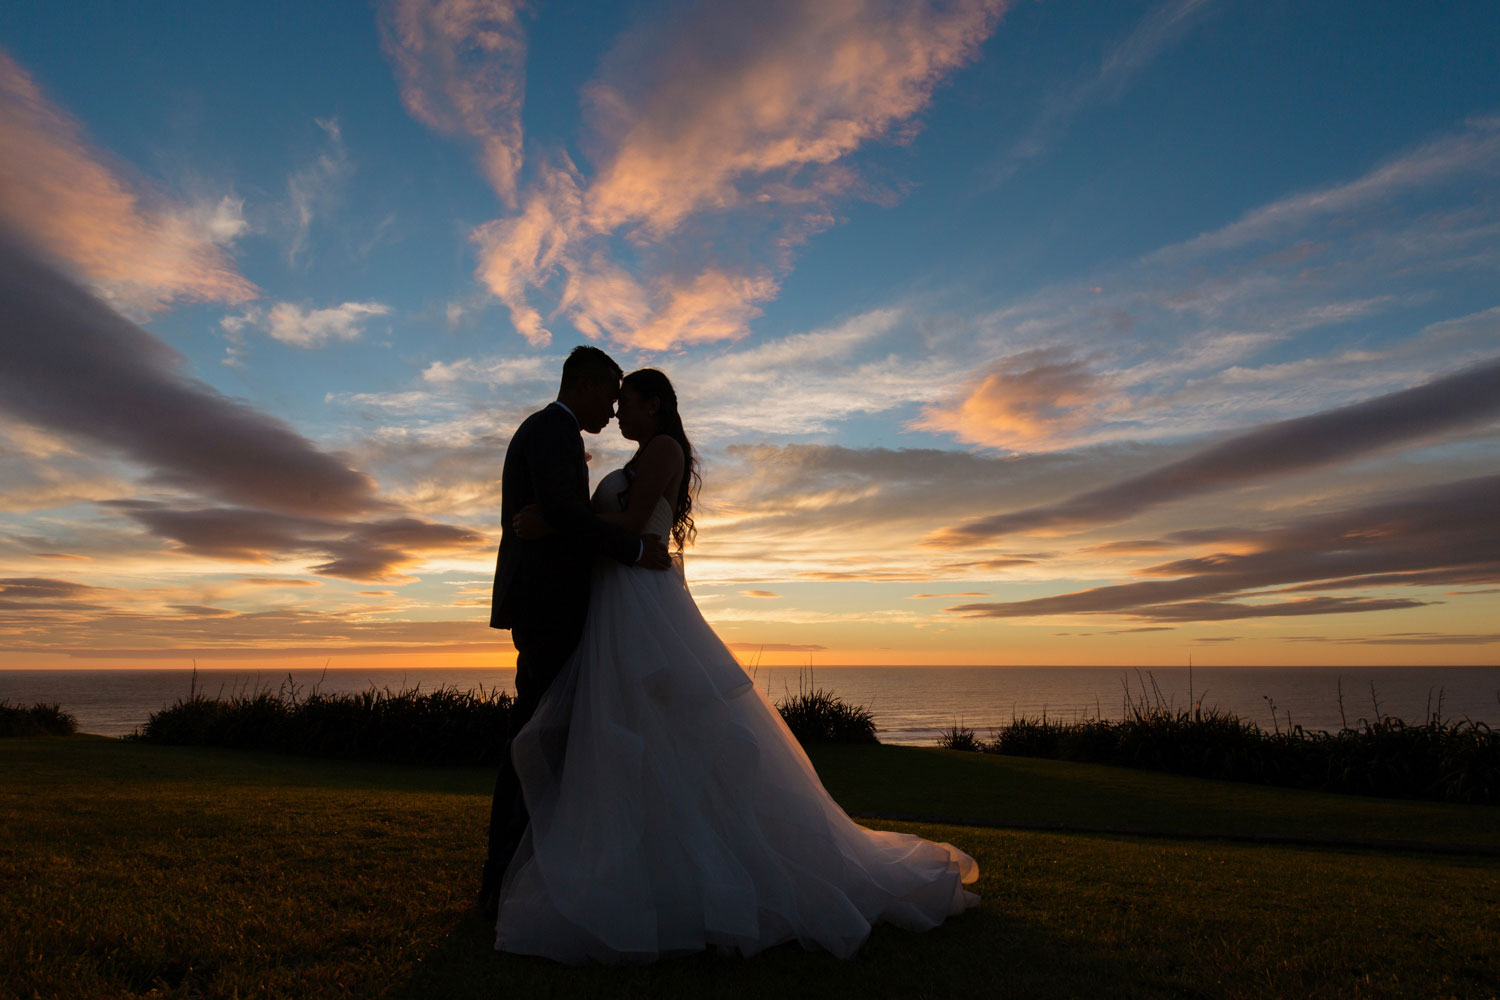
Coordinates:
(590,385)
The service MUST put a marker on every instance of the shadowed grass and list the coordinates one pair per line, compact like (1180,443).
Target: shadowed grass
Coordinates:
(129,870)
(1017,791)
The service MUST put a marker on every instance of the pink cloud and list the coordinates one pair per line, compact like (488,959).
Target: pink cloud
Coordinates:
(139,249)
(519,252)
(605,301)
(725,130)
(461,66)
(739,96)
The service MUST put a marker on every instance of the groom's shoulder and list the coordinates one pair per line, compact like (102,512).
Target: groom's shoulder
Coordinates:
(547,422)
(548,416)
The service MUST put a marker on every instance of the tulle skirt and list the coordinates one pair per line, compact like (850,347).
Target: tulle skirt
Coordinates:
(672,811)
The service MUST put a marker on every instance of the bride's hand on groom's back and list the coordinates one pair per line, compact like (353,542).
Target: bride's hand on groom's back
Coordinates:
(654,553)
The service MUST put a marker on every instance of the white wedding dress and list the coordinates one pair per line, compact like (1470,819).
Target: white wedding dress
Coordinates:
(672,811)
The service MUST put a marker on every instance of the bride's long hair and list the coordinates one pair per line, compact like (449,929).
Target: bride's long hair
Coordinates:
(648,383)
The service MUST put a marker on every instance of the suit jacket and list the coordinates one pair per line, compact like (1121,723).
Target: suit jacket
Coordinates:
(545,582)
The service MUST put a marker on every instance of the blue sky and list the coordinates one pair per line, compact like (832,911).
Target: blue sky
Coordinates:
(914,267)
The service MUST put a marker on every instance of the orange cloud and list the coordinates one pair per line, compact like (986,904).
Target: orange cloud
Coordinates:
(1027,403)
(519,252)
(461,67)
(731,122)
(713,304)
(139,250)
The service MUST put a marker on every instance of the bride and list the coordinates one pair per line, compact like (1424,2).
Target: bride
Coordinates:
(672,811)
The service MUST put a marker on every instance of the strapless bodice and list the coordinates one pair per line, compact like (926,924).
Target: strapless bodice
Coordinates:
(612,495)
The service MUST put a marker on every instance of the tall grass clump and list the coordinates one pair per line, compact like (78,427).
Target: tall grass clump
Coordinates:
(959,737)
(818,717)
(1445,759)
(38,720)
(410,726)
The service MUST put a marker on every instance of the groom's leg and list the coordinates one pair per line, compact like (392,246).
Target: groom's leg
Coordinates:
(540,655)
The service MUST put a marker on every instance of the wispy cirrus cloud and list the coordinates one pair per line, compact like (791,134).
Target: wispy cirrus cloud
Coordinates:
(1162,27)
(313,188)
(1462,399)
(1473,150)
(461,66)
(138,248)
(723,121)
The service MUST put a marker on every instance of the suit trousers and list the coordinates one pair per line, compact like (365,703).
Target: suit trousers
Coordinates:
(540,655)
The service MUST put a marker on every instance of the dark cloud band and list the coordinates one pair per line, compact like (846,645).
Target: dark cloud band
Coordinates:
(1333,436)
(1437,534)
(73,365)
(353,550)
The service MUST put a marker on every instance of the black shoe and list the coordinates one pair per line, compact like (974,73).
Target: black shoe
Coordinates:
(489,905)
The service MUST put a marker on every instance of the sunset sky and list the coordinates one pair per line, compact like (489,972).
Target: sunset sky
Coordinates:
(1030,333)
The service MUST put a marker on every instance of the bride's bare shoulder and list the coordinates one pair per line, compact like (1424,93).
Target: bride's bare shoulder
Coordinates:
(662,448)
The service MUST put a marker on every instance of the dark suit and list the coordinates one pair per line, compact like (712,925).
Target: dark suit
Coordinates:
(542,589)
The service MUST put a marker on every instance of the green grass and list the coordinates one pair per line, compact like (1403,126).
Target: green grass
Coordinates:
(130,870)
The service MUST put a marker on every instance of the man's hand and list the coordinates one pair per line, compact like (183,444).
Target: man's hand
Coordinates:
(530,524)
(653,553)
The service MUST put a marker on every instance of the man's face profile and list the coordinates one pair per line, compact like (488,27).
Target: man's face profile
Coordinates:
(599,395)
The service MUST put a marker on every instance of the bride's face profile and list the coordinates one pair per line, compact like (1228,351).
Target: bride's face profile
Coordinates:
(636,415)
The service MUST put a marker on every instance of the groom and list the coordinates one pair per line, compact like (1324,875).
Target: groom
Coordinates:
(542,586)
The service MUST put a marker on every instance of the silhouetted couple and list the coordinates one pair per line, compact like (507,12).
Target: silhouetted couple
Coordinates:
(651,801)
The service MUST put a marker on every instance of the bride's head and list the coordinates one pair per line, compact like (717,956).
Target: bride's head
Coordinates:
(648,407)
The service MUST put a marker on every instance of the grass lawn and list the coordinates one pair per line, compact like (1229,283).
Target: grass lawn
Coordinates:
(130,870)
(988,789)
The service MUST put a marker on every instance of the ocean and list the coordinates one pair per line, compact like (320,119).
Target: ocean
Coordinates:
(911,705)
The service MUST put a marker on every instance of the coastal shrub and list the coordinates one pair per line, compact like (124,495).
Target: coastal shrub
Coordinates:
(959,737)
(1444,759)
(818,716)
(38,720)
(411,726)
